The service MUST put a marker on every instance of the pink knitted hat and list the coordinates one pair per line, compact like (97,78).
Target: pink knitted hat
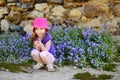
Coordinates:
(40,23)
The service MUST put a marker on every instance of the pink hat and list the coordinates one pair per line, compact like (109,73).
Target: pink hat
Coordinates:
(40,23)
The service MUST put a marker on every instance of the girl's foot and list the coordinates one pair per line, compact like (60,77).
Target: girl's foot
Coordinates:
(37,66)
(50,68)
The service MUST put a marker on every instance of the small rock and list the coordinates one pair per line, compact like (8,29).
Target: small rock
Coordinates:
(4,25)
(117,32)
(27,70)
(75,13)
(7,70)
(11,1)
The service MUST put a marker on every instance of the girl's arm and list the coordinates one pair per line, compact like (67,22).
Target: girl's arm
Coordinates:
(46,47)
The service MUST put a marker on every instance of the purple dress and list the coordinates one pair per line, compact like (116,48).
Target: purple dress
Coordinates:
(46,38)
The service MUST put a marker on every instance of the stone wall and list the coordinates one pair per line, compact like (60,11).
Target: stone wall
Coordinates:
(62,12)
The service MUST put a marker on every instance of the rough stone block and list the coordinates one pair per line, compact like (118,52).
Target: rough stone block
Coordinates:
(81,0)
(12,1)
(28,1)
(2,2)
(56,1)
(40,1)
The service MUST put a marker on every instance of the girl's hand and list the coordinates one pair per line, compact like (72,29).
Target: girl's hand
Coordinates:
(41,44)
(36,45)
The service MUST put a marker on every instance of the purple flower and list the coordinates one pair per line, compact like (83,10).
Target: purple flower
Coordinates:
(76,61)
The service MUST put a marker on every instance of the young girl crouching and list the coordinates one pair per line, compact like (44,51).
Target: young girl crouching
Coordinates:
(43,52)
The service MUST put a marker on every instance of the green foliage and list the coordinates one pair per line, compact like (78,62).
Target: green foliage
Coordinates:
(104,77)
(88,76)
(14,67)
(84,76)
(110,67)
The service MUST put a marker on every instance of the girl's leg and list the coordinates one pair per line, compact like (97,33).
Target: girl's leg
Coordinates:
(35,54)
(48,59)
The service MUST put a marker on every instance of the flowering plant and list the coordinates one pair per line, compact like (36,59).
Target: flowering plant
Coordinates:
(82,47)
(100,48)
(69,46)
(14,47)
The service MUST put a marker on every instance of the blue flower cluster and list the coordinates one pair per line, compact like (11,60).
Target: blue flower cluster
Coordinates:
(82,47)
(99,47)
(69,46)
(14,48)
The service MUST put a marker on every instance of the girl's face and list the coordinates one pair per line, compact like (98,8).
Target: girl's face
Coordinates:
(40,31)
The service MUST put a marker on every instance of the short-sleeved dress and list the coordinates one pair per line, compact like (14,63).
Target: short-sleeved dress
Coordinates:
(46,38)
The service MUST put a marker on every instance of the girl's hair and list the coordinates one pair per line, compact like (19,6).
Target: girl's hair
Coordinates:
(34,35)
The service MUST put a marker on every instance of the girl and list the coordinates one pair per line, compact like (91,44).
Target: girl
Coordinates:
(43,52)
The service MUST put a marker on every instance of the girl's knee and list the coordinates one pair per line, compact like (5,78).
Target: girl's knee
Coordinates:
(34,52)
(44,53)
